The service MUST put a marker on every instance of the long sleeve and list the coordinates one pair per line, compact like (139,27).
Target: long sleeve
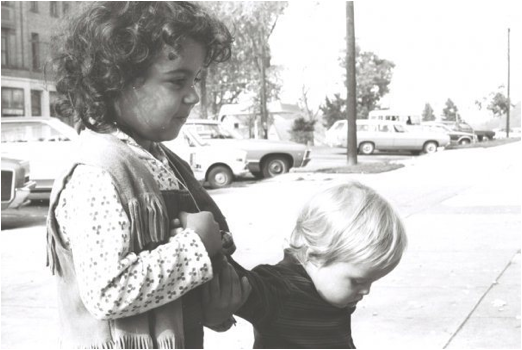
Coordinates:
(113,281)
(269,292)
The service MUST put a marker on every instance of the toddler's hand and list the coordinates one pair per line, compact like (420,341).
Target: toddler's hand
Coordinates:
(206,227)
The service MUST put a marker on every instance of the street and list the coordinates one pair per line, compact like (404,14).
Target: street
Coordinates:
(458,285)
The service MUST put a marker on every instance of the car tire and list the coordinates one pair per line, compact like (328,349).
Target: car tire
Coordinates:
(366,148)
(219,177)
(464,142)
(274,165)
(430,147)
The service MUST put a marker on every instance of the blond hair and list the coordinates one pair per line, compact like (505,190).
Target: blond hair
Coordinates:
(348,222)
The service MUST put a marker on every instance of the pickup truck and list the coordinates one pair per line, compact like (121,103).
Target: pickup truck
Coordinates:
(482,135)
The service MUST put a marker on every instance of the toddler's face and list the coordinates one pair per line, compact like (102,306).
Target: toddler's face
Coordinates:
(157,106)
(344,284)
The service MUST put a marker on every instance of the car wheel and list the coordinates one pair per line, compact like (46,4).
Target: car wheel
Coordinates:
(275,165)
(430,147)
(484,139)
(219,176)
(464,142)
(366,148)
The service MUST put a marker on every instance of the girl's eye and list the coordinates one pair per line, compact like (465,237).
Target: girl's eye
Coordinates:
(178,82)
(197,79)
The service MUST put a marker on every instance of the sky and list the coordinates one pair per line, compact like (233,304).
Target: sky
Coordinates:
(441,50)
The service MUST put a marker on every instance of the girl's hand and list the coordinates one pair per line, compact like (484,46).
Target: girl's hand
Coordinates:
(223,295)
(206,227)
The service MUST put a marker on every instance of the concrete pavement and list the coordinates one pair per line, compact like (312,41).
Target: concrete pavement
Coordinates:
(458,285)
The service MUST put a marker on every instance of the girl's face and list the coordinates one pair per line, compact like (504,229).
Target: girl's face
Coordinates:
(343,284)
(156,106)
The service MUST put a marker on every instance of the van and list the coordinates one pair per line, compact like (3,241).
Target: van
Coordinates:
(393,115)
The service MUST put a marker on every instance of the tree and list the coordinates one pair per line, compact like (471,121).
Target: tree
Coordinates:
(450,112)
(303,127)
(333,110)
(427,113)
(251,24)
(496,102)
(373,75)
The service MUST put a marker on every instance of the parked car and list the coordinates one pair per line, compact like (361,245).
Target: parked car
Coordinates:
(482,134)
(265,158)
(500,133)
(385,135)
(457,137)
(16,183)
(217,165)
(44,142)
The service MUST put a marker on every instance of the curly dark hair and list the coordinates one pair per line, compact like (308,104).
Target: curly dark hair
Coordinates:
(107,45)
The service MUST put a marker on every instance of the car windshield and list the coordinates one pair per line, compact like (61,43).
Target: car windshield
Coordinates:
(214,131)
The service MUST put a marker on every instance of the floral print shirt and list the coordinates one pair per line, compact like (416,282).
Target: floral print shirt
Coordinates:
(114,282)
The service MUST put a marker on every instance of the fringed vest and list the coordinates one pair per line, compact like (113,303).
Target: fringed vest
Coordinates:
(174,325)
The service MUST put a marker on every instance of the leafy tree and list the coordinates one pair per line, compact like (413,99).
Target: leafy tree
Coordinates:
(374,75)
(427,113)
(302,130)
(333,110)
(496,102)
(450,112)
(251,24)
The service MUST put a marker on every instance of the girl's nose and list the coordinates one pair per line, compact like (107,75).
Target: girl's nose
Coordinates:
(192,96)
(365,290)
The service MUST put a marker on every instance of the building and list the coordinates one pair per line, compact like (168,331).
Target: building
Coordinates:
(27,27)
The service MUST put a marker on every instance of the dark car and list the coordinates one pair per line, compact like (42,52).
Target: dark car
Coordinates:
(457,137)
(16,184)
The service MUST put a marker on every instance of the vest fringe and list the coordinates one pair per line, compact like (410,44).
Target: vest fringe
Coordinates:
(171,343)
(134,342)
(149,221)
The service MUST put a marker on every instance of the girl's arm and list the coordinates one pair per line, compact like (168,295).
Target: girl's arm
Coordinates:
(114,282)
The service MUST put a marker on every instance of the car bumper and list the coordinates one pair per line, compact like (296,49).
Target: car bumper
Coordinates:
(21,195)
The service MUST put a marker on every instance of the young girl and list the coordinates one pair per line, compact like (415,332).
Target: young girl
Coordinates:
(346,237)
(127,72)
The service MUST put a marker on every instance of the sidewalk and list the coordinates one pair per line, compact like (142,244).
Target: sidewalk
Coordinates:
(458,285)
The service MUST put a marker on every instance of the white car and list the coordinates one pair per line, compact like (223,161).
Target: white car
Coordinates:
(217,165)
(386,135)
(265,158)
(46,144)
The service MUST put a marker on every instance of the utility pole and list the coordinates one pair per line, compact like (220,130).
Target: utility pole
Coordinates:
(351,84)
(264,111)
(508,88)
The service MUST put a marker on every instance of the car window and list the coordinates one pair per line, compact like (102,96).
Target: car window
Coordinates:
(364,127)
(339,126)
(384,128)
(30,132)
(399,128)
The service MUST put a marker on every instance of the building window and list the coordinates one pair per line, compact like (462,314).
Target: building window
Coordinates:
(35,49)
(65,7)
(54,8)
(36,103)
(34,6)
(5,47)
(12,102)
